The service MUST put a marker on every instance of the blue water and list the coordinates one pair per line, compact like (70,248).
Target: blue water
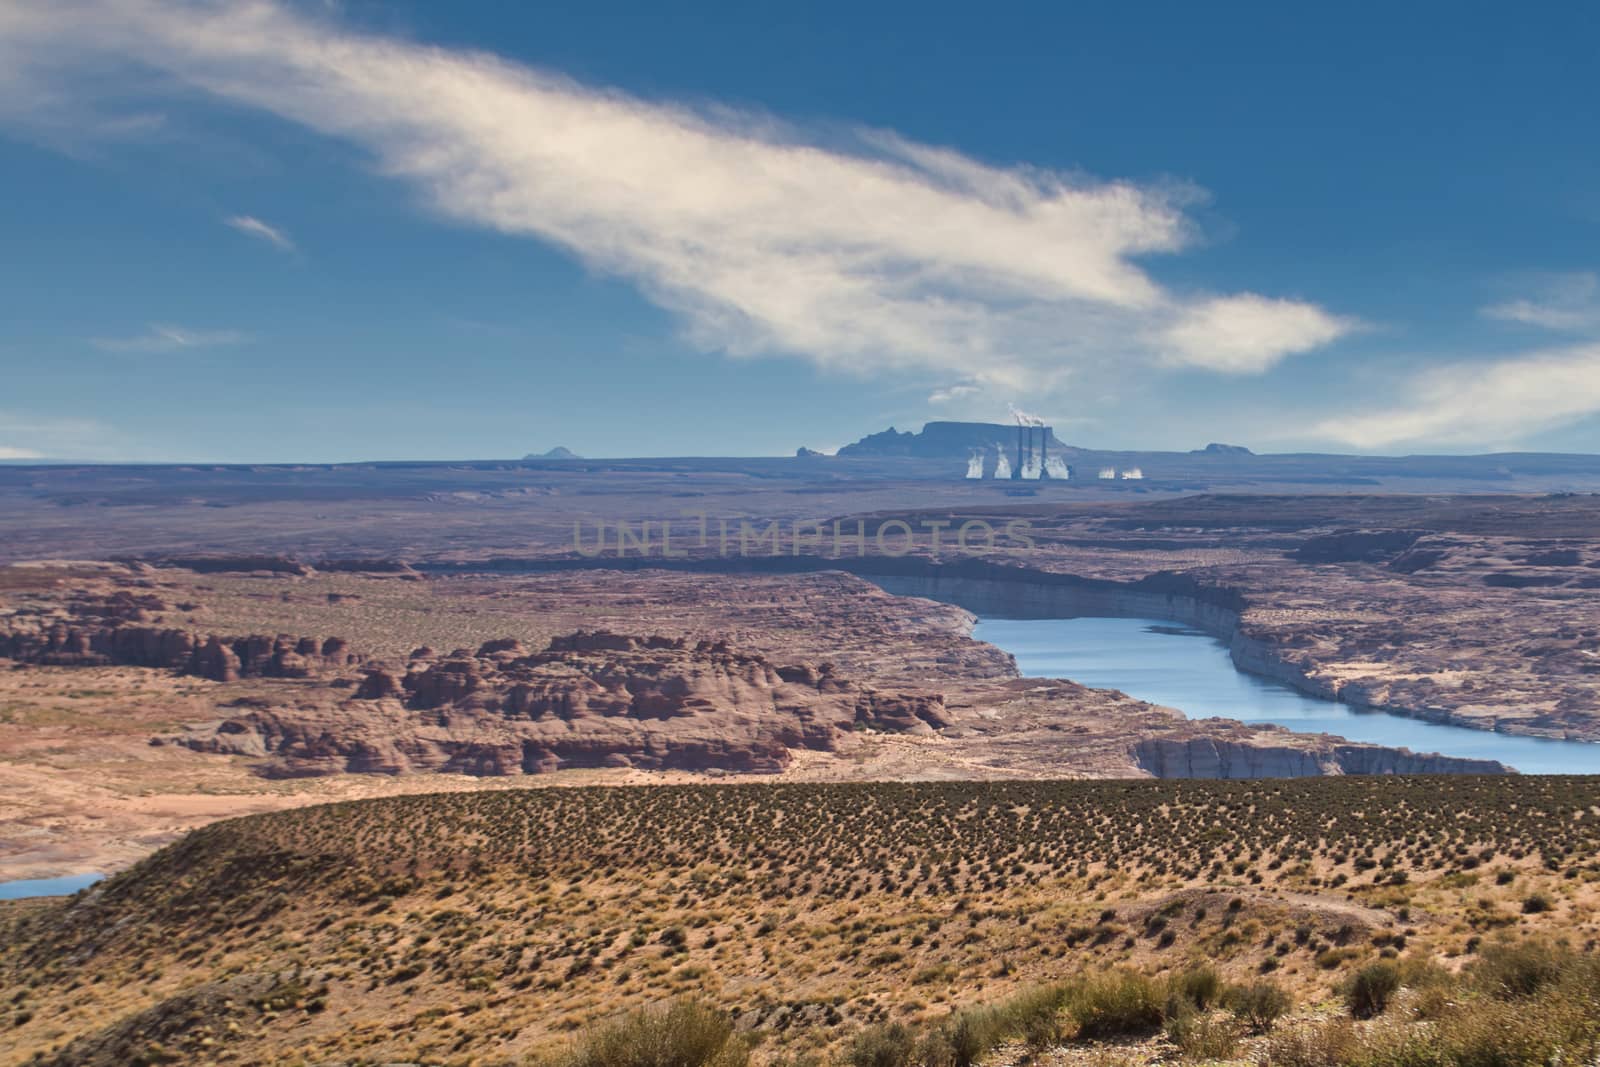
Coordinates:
(1166,663)
(47,887)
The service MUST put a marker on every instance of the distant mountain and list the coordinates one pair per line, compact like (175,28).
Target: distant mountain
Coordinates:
(1215,449)
(558,452)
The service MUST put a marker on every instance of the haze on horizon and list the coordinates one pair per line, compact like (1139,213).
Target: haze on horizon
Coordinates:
(268,230)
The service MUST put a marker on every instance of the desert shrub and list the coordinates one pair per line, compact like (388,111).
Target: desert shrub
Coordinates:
(1329,959)
(969,1035)
(1388,1044)
(1367,992)
(1518,969)
(962,1039)
(886,1045)
(1435,989)
(1548,1030)
(1536,903)
(1115,1004)
(1259,1005)
(686,1033)
(1333,1043)
(1200,986)
(1202,1036)
(1034,1015)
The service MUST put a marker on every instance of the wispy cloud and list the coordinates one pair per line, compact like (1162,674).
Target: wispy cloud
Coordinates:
(25,436)
(1502,400)
(1566,302)
(865,253)
(254,227)
(163,338)
(953,392)
(1471,403)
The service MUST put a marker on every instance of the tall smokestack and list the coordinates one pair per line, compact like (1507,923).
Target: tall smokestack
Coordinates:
(1021,463)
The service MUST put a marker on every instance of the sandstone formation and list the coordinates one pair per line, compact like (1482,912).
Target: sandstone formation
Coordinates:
(591,699)
(221,659)
(817,662)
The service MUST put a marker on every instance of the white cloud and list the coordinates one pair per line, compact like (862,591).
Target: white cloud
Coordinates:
(1569,302)
(1505,400)
(953,392)
(1502,401)
(163,338)
(254,227)
(1247,334)
(872,255)
(27,436)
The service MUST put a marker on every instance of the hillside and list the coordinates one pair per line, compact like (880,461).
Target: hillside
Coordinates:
(479,928)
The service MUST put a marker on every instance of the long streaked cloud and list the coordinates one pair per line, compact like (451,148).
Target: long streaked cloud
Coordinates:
(167,338)
(251,226)
(866,253)
(1502,401)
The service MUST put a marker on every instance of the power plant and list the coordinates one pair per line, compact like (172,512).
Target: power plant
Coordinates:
(1021,449)
(1031,459)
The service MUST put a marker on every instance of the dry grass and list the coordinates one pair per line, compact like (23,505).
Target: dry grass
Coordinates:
(481,927)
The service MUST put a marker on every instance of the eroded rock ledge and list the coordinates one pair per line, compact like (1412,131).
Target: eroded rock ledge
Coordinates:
(591,699)
(824,662)
(115,642)
(1209,757)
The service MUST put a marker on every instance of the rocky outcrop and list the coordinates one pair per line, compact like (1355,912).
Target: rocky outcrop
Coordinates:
(286,566)
(1211,757)
(221,659)
(1374,759)
(394,567)
(1356,546)
(229,564)
(590,699)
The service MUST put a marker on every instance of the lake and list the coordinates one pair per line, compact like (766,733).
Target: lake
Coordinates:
(47,887)
(1171,664)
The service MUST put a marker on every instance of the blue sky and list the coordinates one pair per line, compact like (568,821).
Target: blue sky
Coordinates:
(258,230)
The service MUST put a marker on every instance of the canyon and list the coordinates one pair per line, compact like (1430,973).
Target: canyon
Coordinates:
(323,723)
(192,666)
(146,699)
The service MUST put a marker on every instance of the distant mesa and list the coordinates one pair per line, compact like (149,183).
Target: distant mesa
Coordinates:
(558,452)
(940,440)
(1026,450)
(1215,449)
(807,453)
